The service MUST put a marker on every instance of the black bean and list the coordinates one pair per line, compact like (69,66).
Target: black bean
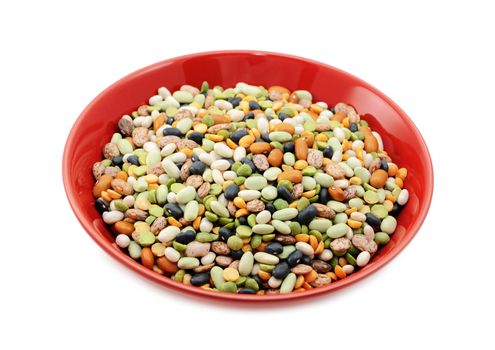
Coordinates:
(372,220)
(353,127)
(196,137)
(258,280)
(225,233)
(197,168)
(254,105)
(249,162)
(174,210)
(250,115)
(238,134)
(328,152)
(231,192)
(294,258)
(289,147)
(236,254)
(284,193)
(170,120)
(281,270)
(384,164)
(133,159)
(195,158)
(117,161)
(395,210)
(306,215)
(101,205)
(200,279)
(282,116)
(185,237)
(271,208)
(306,260)
(246,291)
(266,137)
(274,248)
(243,220)
(172,131)
(235,101)
(324,196)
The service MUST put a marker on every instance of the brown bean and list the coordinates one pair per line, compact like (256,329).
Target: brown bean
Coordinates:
(260,147)
(378,178)
(166,266)
(275,157)
(101,185)
(301,148)
(147,258)
(123,227)
(294,176)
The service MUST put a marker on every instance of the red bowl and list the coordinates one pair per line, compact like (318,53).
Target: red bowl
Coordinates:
(98,121)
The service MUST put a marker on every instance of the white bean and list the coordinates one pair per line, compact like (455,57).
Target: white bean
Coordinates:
(122,240)
(172,254)
(363,259)
(403,197)
(111,217)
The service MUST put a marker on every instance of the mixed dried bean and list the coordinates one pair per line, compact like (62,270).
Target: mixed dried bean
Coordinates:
(248,190)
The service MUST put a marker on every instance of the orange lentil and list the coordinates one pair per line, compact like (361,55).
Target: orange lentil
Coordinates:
(302,237)
(311,276)
(339,271)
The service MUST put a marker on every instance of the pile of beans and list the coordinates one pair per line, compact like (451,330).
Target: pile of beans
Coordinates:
(247,189)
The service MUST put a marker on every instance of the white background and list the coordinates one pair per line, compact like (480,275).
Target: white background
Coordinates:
(60,291)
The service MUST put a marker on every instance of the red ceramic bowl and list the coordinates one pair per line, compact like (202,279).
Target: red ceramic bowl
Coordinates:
(98,121)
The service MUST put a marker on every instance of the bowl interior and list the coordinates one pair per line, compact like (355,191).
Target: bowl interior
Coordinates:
(98,121)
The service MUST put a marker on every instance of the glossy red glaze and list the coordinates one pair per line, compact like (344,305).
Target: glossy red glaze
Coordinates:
(98,121)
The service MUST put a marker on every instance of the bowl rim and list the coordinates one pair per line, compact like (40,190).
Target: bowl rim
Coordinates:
(168,282)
